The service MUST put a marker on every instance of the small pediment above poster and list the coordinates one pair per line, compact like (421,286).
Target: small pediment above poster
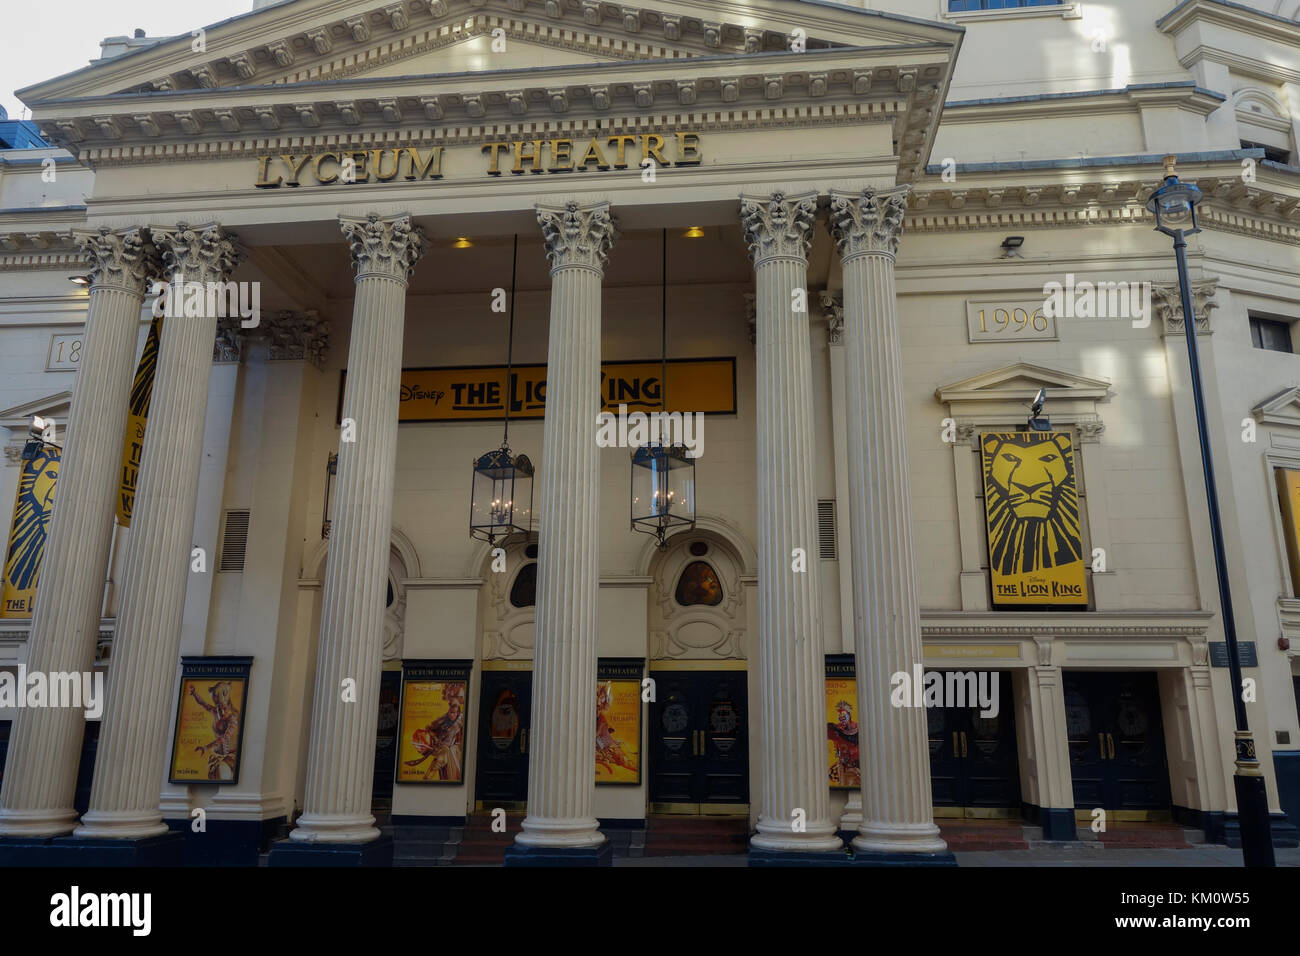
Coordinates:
(1281,409)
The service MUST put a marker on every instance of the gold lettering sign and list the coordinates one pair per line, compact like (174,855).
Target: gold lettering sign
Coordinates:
(1032,505)
(520,156)
(477,393)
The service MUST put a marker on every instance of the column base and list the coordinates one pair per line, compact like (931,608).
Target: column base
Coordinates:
(1057,823)
(758,856)
(519,855)
(875,858)
(297,853)
(73,851)
(36,824)
(904,838)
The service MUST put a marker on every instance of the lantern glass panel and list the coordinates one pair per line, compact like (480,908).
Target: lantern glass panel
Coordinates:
(501,503)
(663,488)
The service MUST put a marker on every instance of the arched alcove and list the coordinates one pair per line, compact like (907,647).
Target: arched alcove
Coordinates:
(697,599)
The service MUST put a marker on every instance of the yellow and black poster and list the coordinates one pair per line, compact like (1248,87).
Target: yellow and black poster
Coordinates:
(431,737)
(478,392)
(1031,501)
(841,723)
(133,444)
(618,720)
(209,735)
(33,505)
(1288,493)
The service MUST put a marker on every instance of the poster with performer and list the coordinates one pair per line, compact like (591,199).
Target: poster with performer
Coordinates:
(33,506)
(618,720)
(209,736)
(1036,554)
(841,723)
(431,738)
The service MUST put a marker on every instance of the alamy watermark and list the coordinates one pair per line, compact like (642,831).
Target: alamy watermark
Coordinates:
(1084,299)
(55,689)
(634,429)
(946,689)
(180,298)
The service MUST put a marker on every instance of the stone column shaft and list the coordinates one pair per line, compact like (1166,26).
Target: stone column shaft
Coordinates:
(134,738)
(794,813)
(44,750)
(341,755)
(562,765)
(896,800)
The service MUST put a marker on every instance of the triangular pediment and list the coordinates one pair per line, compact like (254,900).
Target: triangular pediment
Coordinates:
(304,40)
(1019,382)
(50,406)
(1280,409)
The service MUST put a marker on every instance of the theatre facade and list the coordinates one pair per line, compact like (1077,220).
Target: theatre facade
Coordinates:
(333,256)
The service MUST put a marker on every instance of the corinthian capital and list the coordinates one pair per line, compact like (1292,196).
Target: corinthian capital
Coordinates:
(381,246)
(868,221)
(578,235)
(1168,303)
(125,259)
(777,225)
(205,253)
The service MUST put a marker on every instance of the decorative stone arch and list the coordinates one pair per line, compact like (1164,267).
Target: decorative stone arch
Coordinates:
(403,567)
(1261,118)
(719,527)
(508,631)
(699,631)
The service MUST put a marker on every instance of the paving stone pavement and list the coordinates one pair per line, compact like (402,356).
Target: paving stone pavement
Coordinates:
(1081,854)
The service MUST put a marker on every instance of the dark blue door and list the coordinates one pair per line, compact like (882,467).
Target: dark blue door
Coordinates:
(1116,741)
(502,775)
(699,741)
(974,763)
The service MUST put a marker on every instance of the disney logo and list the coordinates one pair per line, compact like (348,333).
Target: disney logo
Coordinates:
(414,393)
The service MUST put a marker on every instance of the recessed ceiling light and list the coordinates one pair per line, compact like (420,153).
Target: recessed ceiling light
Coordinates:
(694,232)
(462,242)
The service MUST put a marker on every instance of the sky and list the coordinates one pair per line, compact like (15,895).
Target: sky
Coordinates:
(53,37)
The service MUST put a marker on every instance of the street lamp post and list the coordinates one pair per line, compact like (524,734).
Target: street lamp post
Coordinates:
(1174,206)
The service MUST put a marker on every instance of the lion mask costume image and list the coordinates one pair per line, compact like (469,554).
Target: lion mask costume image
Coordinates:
(1032,502)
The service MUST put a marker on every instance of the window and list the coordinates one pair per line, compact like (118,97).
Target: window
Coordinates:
(957,6)
(1270,334)
(524,591)
(1273,154)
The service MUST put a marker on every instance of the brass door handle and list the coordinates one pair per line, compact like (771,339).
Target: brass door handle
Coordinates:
(956,752)
(1101,745)
(1110,738)
(523,741)
(963,743)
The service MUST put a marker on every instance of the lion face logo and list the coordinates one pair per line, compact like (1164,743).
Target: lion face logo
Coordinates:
(1032,503)
(32,519)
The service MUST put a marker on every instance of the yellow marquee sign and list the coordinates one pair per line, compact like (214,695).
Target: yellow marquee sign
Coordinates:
(478,392)
(1032,504)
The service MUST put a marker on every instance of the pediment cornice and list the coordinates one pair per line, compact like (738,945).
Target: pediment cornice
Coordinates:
(899,85)
(311,39)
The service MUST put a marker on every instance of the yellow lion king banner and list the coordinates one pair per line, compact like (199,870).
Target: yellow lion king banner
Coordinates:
(1032,506)
(33,505)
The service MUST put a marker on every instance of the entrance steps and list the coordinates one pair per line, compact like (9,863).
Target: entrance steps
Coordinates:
(479,846)
(966,835)
(1143,836)
(673,835)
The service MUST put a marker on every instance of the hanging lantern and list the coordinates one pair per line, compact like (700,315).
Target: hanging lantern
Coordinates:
(663,490)
(663,475)
(502,501)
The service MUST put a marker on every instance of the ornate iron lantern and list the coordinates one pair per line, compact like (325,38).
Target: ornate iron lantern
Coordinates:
(663,473)
(501,500)
(1174,204)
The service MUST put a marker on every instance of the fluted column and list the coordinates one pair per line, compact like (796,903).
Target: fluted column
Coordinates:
(41,773)
(561,768)
(136,732)
(895,759)
(794,812)
(341,756)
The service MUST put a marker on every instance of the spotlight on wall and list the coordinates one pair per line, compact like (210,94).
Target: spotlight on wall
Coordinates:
(79,280)
(1011,246)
